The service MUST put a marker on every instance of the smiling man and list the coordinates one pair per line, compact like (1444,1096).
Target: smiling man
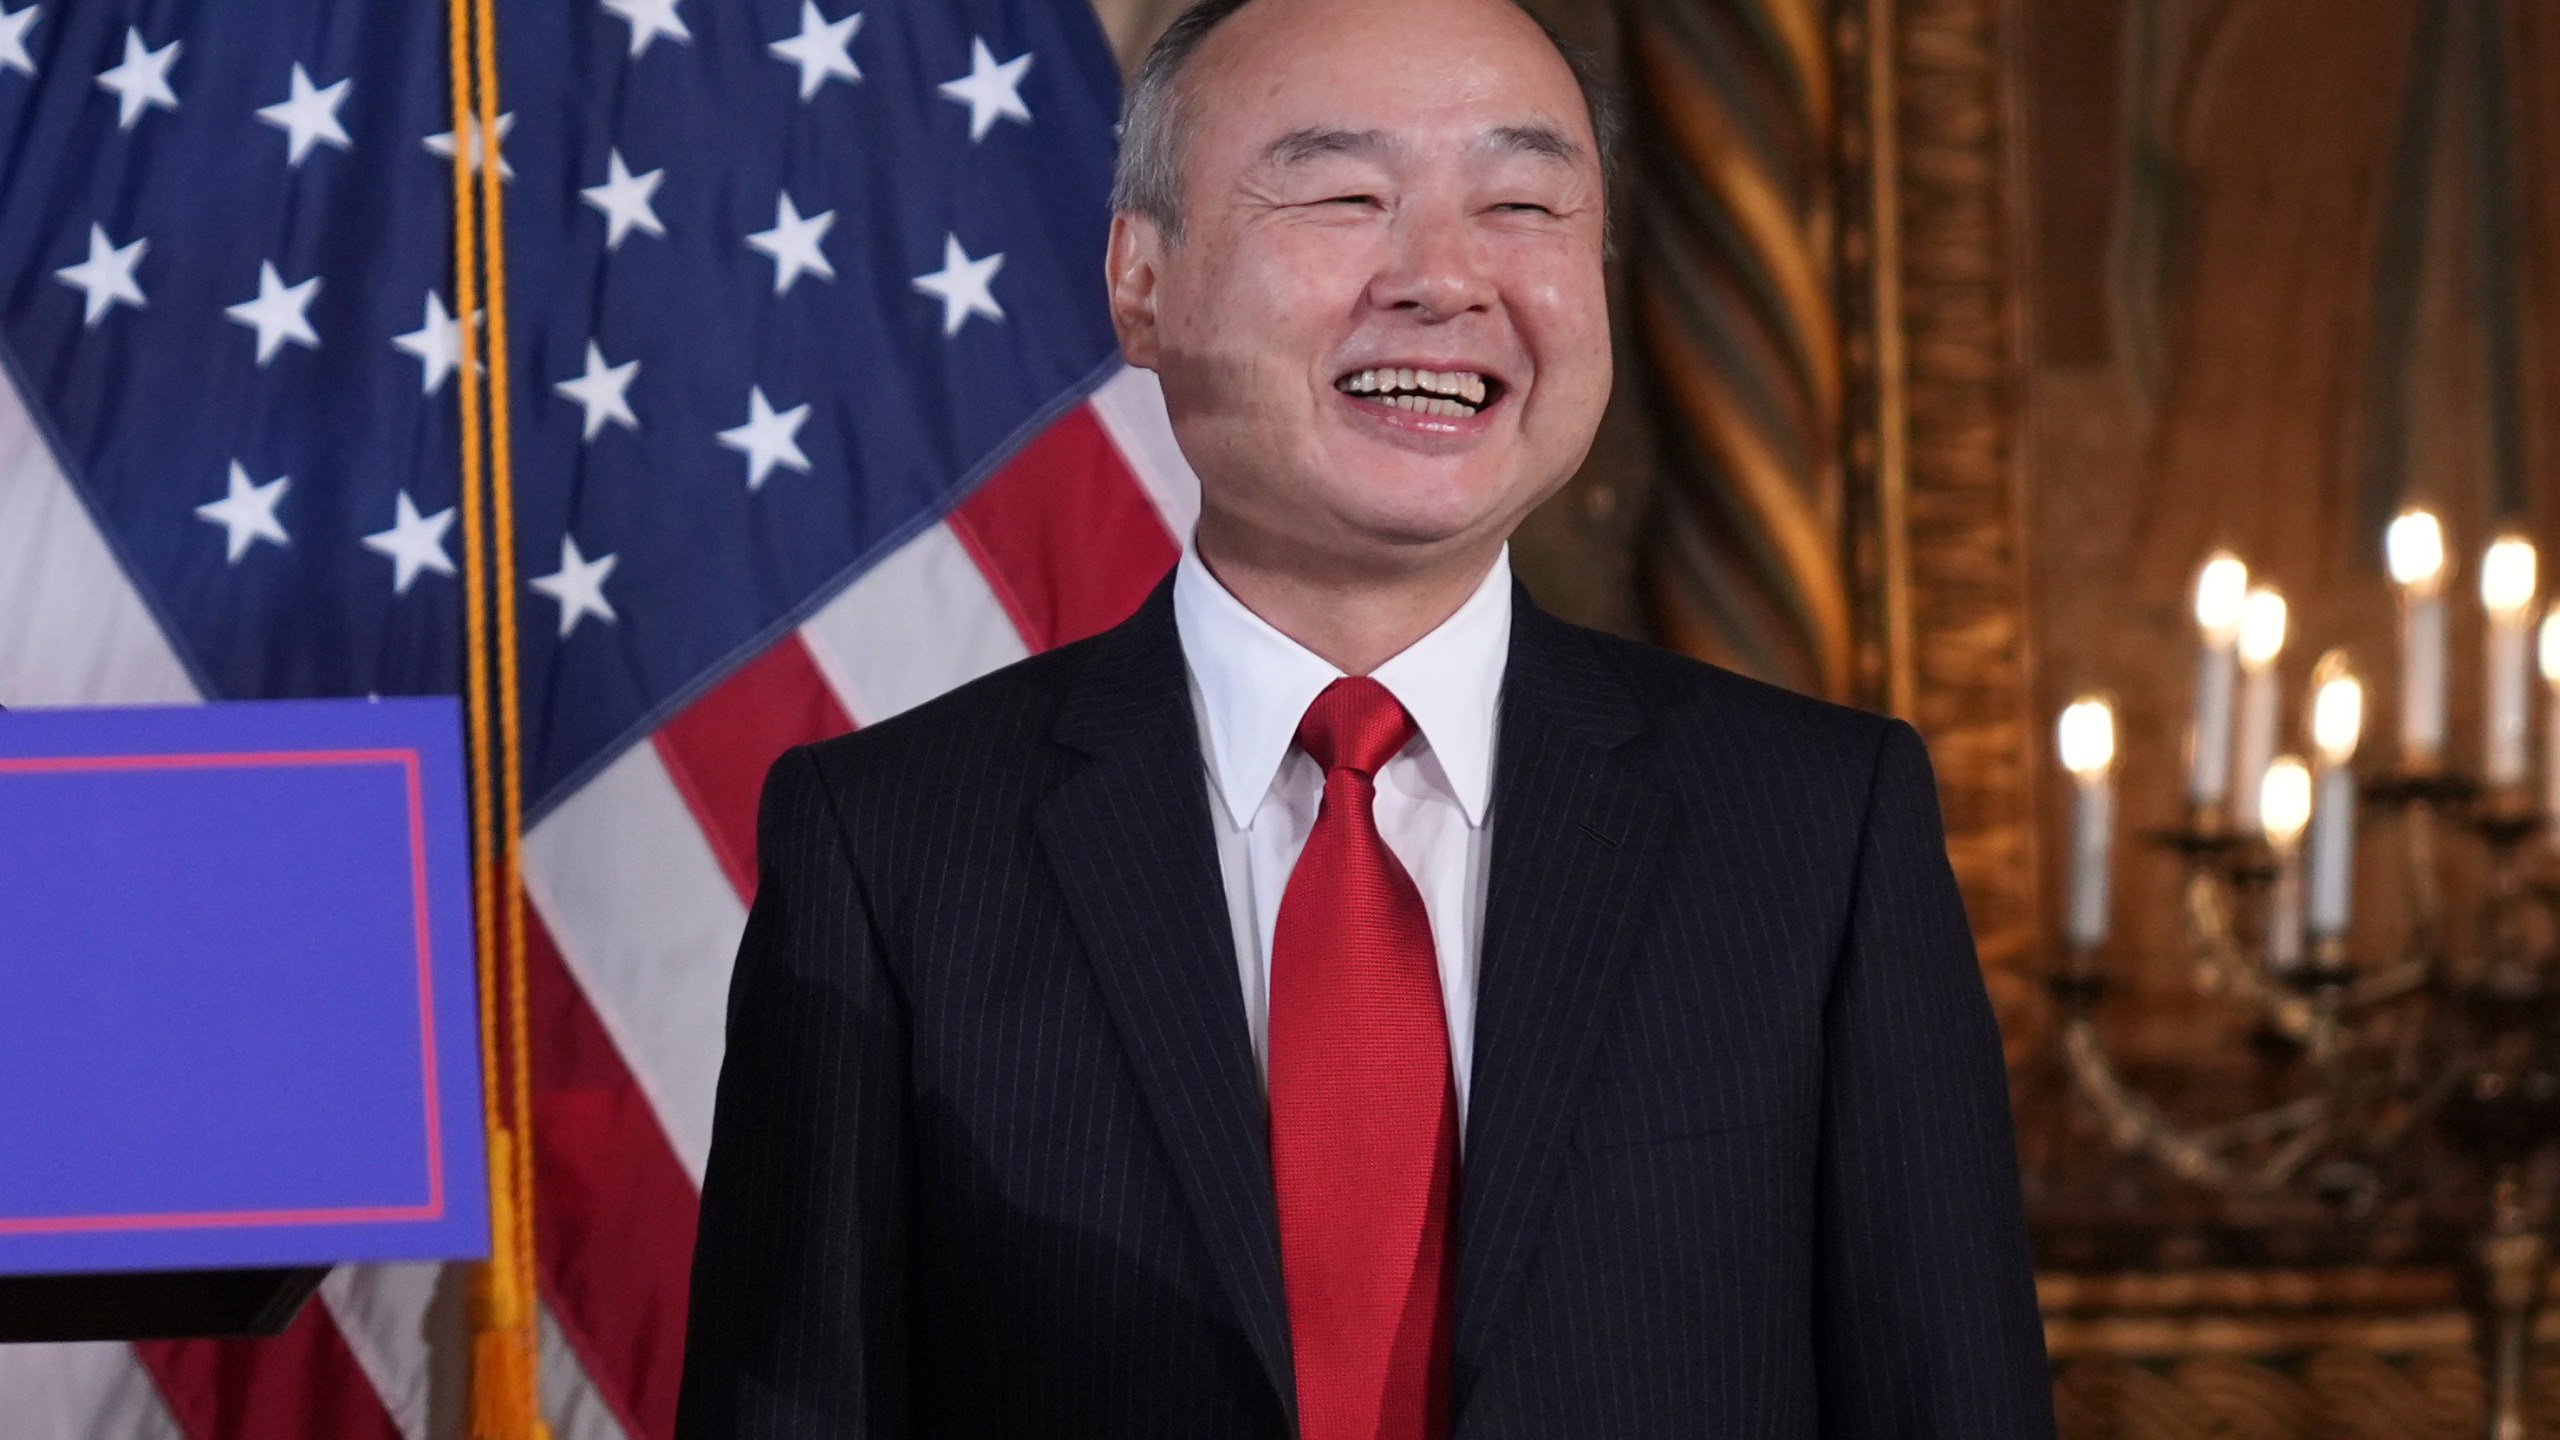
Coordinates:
(1343,1001)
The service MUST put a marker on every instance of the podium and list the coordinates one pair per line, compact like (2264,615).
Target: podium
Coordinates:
(238,1027)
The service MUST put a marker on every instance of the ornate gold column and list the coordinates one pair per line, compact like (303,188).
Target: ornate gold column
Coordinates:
(1730,282)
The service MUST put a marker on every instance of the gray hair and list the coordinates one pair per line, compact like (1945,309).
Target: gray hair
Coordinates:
(1146,178)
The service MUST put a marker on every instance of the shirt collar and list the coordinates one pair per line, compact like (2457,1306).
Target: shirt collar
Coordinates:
(1255,683)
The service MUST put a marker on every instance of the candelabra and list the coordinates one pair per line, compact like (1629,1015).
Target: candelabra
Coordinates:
(2384,1047)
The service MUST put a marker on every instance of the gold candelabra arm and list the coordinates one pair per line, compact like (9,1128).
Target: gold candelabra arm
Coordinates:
(2201,1156)
(2383,986)
(2224,967)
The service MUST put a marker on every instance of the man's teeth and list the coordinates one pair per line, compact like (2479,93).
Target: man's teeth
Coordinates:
(1452,393)
(1427,405)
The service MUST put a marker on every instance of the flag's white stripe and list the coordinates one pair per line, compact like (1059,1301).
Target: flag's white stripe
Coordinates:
(397,1320)
(81,1392)
(1130,406)
(408,1328)
(648,923)
(645,917)
(570,1400)
(918,623)
(73,630)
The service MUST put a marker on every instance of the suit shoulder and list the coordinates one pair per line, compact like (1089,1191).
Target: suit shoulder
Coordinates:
(1683,696)
(999,720)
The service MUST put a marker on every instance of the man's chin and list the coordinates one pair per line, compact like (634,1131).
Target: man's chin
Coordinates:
(1409,535)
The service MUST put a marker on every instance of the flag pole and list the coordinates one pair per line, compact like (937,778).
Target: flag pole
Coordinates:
(505,1375)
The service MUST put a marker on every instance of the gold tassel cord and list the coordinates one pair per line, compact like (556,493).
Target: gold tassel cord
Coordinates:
(505,1378)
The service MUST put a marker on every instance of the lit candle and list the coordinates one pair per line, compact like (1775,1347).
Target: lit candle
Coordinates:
(2222,589)
(2414,545)
(2550,648)
(2088,745)
(2337,718)
(2261,641)
(2284,808)
(2506,593)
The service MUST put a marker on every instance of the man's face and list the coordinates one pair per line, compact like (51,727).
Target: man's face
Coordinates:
(1383,334)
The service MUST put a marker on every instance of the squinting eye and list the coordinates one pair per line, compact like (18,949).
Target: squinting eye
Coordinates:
(1527,205)
(1349,200)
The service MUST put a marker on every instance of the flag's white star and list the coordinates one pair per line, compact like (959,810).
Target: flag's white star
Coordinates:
(437,342)
(141,79)
(13,39)
(624,199)
(820,48)
(768,439)
(961,285)
(578,585)
(106,277)
(650,19)
(793,243)
(414,542)
(604,392)
(990,90)
(308,116)
(441,143)
(279,313)
(247,513)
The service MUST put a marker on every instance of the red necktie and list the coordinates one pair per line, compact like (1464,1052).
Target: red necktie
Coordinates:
(1364,1127)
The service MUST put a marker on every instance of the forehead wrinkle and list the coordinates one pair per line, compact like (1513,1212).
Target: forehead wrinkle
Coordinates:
(1537,139)
(1314,142)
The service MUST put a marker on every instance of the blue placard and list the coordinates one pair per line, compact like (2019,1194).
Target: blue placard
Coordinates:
(237,1022)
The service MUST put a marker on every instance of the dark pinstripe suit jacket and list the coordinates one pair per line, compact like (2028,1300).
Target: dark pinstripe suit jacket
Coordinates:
(989,1157)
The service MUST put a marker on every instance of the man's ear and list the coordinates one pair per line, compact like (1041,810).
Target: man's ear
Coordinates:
(1130,267)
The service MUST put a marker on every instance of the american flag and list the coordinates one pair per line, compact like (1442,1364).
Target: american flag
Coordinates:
(817,414)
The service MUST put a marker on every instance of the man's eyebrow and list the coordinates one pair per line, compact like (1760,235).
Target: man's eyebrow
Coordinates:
(1317,141)
(1535,138)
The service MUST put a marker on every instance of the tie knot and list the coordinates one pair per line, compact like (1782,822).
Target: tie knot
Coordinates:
(1354,725)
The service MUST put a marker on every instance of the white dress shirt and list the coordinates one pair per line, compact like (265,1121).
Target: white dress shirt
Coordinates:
(1250,685)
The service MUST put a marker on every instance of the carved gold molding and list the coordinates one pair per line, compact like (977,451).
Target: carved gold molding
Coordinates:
(2383,1352)
(2379,1309)
(2436,1394)
(1935,529)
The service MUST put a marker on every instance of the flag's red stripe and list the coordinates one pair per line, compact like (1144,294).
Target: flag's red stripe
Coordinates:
(1066,534)
(302,1383)
(614,1210)
(719,747)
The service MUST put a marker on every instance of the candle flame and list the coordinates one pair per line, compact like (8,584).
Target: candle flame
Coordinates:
(2222,589)
(2284,801)
(2088,737)
(2506,576)
(2337,709)
(2261,626)
(2414,546)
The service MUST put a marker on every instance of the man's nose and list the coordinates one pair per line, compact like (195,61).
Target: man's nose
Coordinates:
(1434,269)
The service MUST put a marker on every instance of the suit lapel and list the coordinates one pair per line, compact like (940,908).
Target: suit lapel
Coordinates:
(1574,838)
(1128,834)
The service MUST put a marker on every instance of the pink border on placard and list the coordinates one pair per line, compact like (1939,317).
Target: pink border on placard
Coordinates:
(433,1209)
